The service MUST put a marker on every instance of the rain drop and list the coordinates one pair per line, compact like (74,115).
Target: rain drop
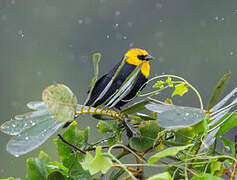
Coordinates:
(231,53)
(117,13)
(16,155)
(115,26)
(107,36)
(131,44)
(26,138)
(21,33)
(125,37)
(216,18)
(80,21)
(159,5)
(14,125)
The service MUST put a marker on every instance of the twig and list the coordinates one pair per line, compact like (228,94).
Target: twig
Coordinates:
(69,144)
(233,170)
(234,163)
(157,144)
(104,147)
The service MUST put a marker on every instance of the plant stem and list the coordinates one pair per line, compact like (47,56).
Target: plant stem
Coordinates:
(73,146)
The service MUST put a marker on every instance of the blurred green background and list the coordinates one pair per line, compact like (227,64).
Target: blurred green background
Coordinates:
(48,41)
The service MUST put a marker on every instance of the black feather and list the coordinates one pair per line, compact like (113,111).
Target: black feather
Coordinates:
(101,83)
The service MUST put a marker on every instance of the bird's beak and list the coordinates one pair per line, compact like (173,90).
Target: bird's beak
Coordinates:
(148,57)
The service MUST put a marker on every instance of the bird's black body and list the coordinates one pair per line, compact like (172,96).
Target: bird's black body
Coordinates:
(101,83)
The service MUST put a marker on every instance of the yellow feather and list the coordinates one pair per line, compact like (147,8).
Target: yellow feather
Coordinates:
(133,59)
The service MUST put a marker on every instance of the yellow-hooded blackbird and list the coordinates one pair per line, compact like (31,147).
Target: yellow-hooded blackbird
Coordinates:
(135,57)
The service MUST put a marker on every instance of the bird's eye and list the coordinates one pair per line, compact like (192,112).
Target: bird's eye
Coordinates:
(141,57)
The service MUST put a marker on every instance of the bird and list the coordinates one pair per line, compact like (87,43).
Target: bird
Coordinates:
(134,58)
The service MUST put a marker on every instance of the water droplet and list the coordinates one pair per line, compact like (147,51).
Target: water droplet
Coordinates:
(21,33)
(222,19)
(159,5)
(13,1)
(80,21)
(131,44)
(115,26)
(117,13)
(16,155)
(26,138)
(125,37)
(235,10)
(216,18)
(186,114)
(14,125)
(231,53)
(107,36)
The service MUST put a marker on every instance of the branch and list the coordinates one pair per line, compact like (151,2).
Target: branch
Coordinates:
(73,146)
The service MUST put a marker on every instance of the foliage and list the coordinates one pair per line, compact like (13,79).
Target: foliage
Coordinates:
(180,142)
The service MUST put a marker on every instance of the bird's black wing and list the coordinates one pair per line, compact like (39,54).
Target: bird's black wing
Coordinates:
(101,84)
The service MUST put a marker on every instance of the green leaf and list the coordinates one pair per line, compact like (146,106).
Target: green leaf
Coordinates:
(215,166)
(87,161)
(178,116)
(218,90)
(159,108)
(56,166)
(159,84)
(56,175)
(60,101)
(106,127)
(148,136)
(111,81)
(124,88)
(33,137)
(172,151)
(205,176)
(180,89)
(230,123)
(230,144)
(36,167)
(71,159)
(96,59)
(31,129)
(100,163)
(161,176)
(136,107)
(169,82)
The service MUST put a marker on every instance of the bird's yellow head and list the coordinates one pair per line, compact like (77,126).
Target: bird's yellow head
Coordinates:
(138,56)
